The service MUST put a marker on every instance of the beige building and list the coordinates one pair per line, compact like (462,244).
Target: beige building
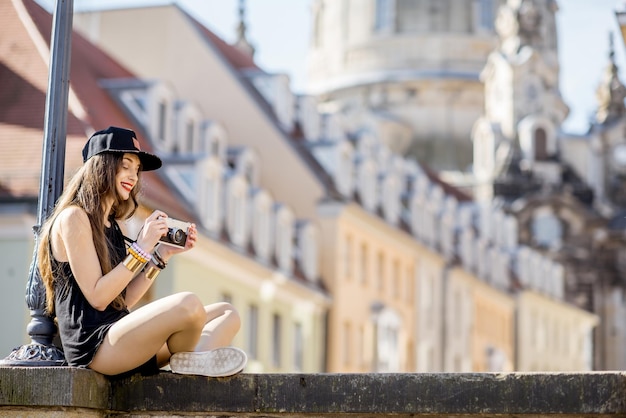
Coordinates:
(553,335)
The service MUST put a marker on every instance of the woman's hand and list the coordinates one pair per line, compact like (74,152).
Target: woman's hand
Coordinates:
(153,229)
(166,251)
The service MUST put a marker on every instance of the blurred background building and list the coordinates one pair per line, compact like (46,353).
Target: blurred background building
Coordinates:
(332,220)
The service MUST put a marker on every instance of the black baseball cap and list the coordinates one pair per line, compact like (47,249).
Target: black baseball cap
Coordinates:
(119,140)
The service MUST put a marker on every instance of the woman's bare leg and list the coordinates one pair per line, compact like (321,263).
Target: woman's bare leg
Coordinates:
(222,325)
(168,325)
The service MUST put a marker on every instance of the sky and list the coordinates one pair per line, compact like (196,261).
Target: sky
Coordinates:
(280,31)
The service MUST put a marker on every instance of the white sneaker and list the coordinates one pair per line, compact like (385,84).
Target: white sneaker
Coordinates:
(219,362)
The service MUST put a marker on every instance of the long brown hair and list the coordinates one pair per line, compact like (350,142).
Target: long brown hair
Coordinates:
(90,188)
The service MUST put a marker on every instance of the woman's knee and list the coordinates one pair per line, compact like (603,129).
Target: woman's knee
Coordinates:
(191,309)
(226,310)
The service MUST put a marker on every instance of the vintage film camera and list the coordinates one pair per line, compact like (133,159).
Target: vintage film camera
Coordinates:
(176,233)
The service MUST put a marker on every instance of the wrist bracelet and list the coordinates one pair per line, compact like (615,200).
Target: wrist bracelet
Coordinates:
(152,272)
(158,260)
(132,263)
(140,251)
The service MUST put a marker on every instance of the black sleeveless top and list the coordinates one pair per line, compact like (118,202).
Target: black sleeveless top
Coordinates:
(82,328)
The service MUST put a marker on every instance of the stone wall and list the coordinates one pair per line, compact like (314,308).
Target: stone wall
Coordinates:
(69,392)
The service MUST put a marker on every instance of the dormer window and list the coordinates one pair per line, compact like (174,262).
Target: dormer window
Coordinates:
(309,118)
(160,116)
(210,194)
(237,219)
(308,250)
(331,127)
(391,198)
(345,169)
(213,140)
(247,165)
(262,204)
(284,234)
(275,89)
(367,185)
(188,119)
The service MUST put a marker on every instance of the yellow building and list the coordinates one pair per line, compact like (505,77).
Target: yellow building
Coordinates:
(481,325)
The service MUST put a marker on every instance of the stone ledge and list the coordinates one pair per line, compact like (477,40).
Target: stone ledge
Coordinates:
(309,395)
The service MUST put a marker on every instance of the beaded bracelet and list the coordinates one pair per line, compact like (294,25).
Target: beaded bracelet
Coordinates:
(141,251)
(133,264)
(138,256)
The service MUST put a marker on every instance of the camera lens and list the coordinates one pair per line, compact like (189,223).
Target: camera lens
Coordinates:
(176,235)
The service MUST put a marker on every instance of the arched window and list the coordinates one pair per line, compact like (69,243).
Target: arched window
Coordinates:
(391,198)
(284,234)
(188,119)
(237,219)
(541,144)
(344,174)
(213,140)
(308,250)
(367,184)
(160,116)
(262,236)
(210,193)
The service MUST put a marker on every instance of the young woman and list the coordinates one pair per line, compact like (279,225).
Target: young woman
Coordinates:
(93,274)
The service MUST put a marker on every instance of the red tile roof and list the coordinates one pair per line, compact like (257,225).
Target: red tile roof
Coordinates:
(24,75)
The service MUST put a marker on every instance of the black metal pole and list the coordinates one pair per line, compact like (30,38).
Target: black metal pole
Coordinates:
(41,329)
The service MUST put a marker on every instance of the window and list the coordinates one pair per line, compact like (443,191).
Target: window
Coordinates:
(276,340)
(397,279)
(486,17)
(367,184)
(547,229)
(298,347)
(364,263)
(344,172)
(349,257)
(381,271)
(237,219)
(284,233)
(391,199)
(209,194)
(262,225)
(253,329)
(541,145)
(308,251)
(388,329)
(384,16)
(190,136)
(161,121)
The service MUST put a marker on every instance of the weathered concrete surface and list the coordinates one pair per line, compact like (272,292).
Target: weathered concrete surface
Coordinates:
(53,392)
(50,390)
